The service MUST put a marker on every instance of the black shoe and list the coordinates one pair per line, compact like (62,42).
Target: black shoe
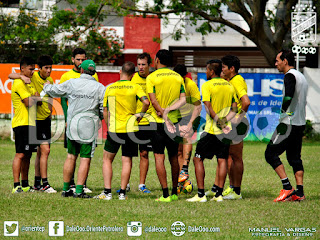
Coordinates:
(68,193)
(81,195)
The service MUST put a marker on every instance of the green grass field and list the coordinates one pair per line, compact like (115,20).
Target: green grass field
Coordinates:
(233,218)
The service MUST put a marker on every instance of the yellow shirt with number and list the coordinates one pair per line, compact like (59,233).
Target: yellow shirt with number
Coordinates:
(220,93)
(167,86)
(142,82)
(23,116)
(74,74)
(121,100)
(37,82)
(240,87)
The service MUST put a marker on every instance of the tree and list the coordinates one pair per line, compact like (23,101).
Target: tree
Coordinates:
(32,33)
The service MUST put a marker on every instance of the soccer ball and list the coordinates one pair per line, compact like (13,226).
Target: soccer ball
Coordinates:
(237,134)
(185,187)
(265,123)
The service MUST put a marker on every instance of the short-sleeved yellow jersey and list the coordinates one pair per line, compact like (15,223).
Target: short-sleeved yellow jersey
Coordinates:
(142,82)
(240,87)
(37,82)
(23,116)
(221,95)
(167,86)
(192,95)
(74,74)
(121,100)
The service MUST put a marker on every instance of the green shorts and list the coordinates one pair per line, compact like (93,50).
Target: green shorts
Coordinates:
(85,150)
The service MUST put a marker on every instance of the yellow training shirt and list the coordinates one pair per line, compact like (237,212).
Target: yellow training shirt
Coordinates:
(142,82)
(74,74)
(240,87)
(121,99)
(37,82)
(192,95)
(23,116)
(221,95)
(167,86)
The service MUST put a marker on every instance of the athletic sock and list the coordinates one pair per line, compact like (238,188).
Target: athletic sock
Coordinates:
(185,168)
(37,181)
(122,191)
(85,182)
(165,192)
(174,191)
(107,190)
(286,184)
(237,190)
(200,192)
(16,184)
(66,186)
(300,192)
(141,185)
(45,182)
(72,183)
(24,183)
(214,188)
(79,189)
(219,191)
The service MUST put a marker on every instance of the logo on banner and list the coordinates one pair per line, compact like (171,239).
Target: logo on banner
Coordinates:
(303,23)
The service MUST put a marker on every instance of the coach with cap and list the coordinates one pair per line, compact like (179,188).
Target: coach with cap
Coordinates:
(85,95)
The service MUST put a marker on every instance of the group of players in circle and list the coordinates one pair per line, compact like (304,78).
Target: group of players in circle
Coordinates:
(165,104)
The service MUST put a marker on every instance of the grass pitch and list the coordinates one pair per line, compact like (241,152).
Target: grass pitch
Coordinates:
(241,219)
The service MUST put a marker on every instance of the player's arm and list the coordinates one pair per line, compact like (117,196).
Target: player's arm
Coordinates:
(145,106)
(105,115)
(20,76)
(289,86)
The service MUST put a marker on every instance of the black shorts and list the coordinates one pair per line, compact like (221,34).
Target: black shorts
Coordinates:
(115,140)
(161,139)
(44,130)
(144,136)
(185,120)
(210,145)
(25,139)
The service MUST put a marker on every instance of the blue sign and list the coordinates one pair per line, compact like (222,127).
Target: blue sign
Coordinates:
(264,92)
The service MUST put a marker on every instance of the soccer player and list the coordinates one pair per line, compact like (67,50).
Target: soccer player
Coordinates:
(230,68)
(189,122)
(165,86)
(43,123)
(218,98)
(144,133)
(120,104)
(78,56)
(85,96)
(294,103)
(24,99)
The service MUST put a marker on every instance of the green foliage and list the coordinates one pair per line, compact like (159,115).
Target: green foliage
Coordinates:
(32,34)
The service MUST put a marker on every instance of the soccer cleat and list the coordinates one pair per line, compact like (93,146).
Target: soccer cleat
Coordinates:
(144,189)
(68,193)
(210,193)
(294,197)
(162,199)
(48,189)
(227,191)
(122,196)
(196,198)
(283,195)
(73,188)
(81,195)
(27,189)
(127,188)
(17,190)
(174,197)
(86,189)
(183,176)
(232,196)
(217,199)
(37,188)
(103,196)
